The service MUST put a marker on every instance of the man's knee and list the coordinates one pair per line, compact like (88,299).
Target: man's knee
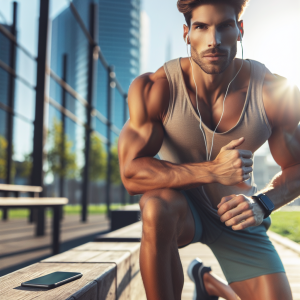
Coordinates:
(159,215)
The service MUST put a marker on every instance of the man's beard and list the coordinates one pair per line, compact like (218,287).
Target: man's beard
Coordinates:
(214,67)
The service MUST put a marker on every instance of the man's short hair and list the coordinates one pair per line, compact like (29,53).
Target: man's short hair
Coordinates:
(187,6)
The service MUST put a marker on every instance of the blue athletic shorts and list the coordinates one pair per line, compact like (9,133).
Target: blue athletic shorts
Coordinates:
(242,254)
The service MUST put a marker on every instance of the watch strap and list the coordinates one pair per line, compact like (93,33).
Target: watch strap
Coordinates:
(266,203)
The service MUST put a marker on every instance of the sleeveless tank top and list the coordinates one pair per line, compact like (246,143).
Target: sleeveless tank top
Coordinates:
(184,143)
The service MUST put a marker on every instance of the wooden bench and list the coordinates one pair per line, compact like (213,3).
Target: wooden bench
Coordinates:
(16,190)
(110,271)
(124,216)
(55,203)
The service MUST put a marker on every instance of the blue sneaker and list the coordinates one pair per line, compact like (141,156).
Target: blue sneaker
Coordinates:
(195,271)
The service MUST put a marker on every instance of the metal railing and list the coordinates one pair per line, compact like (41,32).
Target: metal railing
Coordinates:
(95,54)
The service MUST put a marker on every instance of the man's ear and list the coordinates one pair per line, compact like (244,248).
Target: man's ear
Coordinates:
(241,28)
(185,33)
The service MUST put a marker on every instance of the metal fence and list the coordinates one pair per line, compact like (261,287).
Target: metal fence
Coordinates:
(44,74)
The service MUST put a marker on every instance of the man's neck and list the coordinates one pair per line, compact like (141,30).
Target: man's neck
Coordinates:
(211,86)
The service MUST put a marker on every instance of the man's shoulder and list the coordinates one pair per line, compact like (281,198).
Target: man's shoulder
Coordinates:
(281,99)
(150,78)
(153,90)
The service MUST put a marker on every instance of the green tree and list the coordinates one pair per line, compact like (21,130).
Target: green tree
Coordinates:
(115,168)
(61,151)
(98,161)
(98,157)
(3,159)
(26,166)
(3,155)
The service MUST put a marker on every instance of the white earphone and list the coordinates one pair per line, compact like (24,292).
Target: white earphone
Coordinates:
(208,157)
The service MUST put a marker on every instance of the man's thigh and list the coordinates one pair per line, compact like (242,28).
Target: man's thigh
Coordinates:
(266,287)
(178,207)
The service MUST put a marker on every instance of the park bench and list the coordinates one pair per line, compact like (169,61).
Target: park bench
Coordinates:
(6,189)
(124,216)
(55,203)
(110,271)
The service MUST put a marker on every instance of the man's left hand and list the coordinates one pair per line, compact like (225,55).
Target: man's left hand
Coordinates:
(240,212)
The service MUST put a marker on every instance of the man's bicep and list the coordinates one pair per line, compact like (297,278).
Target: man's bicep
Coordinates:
(142,135)
(285,147)
(142,142)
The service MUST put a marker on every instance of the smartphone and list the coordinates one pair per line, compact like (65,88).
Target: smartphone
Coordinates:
(52,280)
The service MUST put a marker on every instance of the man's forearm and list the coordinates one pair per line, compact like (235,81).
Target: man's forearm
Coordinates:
(284,187)
(147,173)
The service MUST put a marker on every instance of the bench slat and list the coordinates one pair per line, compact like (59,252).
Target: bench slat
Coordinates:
(24,201)
(20,188)
(120,258)
(11,288)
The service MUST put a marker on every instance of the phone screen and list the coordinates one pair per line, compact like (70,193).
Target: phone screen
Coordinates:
(53,279)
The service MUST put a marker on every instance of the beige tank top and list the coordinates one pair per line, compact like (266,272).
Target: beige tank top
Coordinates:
(183,140)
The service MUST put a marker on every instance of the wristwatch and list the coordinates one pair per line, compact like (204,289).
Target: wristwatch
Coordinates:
(265,203)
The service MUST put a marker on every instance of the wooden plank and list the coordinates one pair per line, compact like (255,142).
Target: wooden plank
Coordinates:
(20,188)
(80,289)
(133,231)
(28,201)
(122,259)
(18,244)
(113,246)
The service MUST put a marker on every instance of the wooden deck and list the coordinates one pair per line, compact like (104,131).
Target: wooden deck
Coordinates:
(19,247)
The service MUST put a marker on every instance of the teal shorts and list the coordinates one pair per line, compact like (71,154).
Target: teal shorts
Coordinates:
(242,254)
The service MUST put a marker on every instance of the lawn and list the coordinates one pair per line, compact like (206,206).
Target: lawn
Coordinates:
(287,223)
(68,209)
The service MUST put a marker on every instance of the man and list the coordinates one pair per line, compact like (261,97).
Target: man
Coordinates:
(188,198)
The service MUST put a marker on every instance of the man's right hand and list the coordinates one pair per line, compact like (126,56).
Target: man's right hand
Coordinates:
(232,166)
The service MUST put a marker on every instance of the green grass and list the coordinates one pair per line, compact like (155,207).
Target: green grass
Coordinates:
(287,223)
(68,210)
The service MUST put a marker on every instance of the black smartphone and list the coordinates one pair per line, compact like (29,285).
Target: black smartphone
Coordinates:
(52,280)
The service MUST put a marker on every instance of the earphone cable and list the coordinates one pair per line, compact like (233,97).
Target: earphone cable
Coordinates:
(208,157)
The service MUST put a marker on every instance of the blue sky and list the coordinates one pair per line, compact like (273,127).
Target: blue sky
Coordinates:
(271,36)
(271,31)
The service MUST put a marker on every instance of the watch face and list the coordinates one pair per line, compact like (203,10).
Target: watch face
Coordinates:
(268,203)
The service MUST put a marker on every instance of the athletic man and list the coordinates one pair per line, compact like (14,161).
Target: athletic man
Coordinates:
(202,187)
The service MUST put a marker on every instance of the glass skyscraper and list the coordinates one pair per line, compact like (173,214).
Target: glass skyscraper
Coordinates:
(4,79)
(119,40)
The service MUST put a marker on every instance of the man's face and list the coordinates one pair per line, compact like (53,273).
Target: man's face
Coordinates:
(213,36)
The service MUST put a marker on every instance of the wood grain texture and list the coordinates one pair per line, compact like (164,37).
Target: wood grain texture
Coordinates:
(134,230)
(113,246)
(122,260)
(11,288)
(20,188)
(29,201)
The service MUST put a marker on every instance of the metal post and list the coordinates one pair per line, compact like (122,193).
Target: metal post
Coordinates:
(63,131)
(38,138)
(91,81)
(123,190)
(11,100)
(55,229)
(111,85)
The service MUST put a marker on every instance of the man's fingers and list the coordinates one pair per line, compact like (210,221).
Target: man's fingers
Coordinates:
(234,143)
(247,223)
(245,153)
(230,204)
(247,170)
(237,211)
(247,162)
(239,218)
(225,199)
